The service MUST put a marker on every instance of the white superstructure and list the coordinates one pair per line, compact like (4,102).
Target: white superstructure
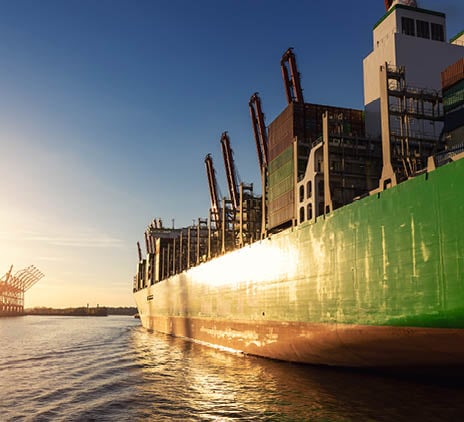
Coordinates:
(414,38)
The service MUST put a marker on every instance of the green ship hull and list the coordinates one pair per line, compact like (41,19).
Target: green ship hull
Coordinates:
(377,283)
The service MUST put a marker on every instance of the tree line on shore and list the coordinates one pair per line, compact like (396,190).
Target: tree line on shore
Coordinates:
(78,311)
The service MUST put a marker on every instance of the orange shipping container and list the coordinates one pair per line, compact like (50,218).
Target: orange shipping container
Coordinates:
(452,74)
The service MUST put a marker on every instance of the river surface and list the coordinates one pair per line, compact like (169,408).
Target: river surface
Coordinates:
(110,369)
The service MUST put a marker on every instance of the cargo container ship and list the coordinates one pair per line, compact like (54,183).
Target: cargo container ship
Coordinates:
(353,255)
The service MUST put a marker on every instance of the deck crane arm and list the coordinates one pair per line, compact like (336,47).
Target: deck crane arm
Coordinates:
(147,242)
(231,172)
(139,250)
(291,80)
(213,190)
(259,130)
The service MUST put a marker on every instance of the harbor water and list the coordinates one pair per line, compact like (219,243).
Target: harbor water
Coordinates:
(110,369)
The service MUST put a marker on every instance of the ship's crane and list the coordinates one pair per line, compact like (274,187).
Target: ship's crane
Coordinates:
(147,242)
(231,172)
(259,130)
(149,238)
(291,78)
(262,147)
(390,3)
(213,191)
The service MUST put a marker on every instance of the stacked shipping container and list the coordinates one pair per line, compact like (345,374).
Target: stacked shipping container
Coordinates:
(452,79)
(301,124)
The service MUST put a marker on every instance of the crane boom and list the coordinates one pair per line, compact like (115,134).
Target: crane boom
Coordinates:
(24,279)
(32,278)
(213,190)
(8,274)
(231,172)
(147,244)
(259,130)
(291,80)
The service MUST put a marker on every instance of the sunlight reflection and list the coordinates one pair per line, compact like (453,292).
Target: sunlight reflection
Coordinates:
(257,263)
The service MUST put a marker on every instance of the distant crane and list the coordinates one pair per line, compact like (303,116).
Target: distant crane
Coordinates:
(231,172)
(291,78)
(25,278)
(213,191)
(12,288)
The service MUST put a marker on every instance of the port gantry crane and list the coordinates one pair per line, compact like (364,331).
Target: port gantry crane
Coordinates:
(12,288)
(291,78)
(262,147)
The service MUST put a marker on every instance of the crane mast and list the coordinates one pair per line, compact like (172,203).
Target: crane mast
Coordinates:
(213,191)
(259,130)
(291,78)
(231,172)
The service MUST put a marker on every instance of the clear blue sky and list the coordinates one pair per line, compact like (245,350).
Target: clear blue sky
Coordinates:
(107,109)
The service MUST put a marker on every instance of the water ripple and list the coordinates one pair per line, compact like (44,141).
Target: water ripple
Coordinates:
(106,369)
